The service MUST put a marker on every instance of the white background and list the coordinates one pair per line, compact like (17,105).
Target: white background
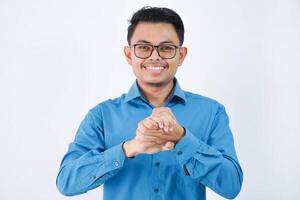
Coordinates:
(59,58)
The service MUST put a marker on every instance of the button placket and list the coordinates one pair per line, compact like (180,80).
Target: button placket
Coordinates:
(156,187)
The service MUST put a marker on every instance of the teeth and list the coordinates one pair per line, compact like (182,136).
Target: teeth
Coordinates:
(155,68)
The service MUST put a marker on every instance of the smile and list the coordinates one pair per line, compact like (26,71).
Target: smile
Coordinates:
(154,70)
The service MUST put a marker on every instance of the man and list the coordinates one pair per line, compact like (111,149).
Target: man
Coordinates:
(157,141)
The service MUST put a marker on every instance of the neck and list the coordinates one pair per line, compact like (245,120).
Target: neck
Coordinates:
(156,94)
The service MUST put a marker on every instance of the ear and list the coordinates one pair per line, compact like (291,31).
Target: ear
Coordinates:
(128,55)
(182,54)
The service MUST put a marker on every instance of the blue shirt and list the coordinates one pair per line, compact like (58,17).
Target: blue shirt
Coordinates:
(205,156)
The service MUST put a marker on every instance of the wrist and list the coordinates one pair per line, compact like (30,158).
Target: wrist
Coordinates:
(129,149)
(181,133)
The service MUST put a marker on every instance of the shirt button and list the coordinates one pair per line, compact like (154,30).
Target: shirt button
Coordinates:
(157,164)
(179,153)
(156,190)
(116,163)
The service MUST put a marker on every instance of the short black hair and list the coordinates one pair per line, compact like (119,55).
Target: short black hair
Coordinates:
(156,15)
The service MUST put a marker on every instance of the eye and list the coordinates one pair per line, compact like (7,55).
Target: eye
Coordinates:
(167,48)
(143,47)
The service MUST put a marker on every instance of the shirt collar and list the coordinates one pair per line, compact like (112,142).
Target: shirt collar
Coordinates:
(134,92)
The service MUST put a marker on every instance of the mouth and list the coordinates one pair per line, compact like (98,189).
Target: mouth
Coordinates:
(154,69)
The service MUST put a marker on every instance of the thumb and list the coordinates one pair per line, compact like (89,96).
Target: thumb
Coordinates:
(168,146)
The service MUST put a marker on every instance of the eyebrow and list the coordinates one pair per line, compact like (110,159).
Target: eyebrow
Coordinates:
(147,42)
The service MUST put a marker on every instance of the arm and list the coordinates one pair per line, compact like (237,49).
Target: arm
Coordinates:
(87,164)
(214,164)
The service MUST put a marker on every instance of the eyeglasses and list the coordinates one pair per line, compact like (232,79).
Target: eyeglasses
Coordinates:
(165,51)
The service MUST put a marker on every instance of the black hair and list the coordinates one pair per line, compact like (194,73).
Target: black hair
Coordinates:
(156,15)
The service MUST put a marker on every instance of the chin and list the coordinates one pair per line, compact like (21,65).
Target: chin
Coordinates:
(156,83)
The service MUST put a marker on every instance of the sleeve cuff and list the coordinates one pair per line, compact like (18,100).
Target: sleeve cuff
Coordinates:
(187,147)
(114,158)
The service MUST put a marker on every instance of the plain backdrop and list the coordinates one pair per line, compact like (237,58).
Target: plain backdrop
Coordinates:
(60,58)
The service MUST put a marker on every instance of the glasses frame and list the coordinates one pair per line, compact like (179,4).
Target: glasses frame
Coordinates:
(155,47)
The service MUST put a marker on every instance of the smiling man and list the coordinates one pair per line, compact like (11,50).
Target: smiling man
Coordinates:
(156,141)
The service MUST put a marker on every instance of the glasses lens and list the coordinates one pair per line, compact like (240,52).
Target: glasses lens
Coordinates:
(167,51)
(143,50)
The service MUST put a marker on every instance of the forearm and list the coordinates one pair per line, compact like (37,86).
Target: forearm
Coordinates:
(219,173)
(79,174)
(210,167)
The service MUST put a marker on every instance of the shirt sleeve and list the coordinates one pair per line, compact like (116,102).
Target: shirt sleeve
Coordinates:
(87,164)
(213,164)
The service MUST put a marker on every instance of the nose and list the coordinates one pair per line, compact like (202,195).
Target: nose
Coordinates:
(155,55)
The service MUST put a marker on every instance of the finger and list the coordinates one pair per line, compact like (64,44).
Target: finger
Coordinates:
(146,131)
(141,128)
(168,146)
(150,139)
(168,121)
(163,121)
(142,137)
(173,124)
(169,112)
(172,121)
(158,120)
(151,132)
(158,139)
(165,111)
(153,122)
(150,124)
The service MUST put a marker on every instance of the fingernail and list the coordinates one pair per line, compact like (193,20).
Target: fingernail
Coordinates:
(160,125)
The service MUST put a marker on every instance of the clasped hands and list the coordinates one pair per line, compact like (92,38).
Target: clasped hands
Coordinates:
(158,132)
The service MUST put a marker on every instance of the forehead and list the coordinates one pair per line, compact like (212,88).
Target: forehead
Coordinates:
(154,33)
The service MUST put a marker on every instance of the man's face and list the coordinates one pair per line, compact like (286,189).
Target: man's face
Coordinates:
(154,70)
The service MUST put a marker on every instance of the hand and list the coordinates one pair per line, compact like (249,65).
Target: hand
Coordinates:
(147,140)
(164,117)
(167,121)
(135,147)
(149,131)
(159,132)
